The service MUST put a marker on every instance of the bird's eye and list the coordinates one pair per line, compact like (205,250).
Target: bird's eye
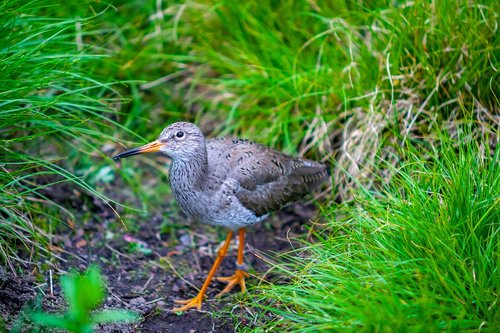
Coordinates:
(179,134)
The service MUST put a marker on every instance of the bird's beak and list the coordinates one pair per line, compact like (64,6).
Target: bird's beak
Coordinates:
(149,148)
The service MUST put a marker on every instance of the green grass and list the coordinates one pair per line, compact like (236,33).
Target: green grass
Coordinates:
(401,97)
(53,115)
(288,63)
(418,255)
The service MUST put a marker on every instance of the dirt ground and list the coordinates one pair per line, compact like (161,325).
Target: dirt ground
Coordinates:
(147,270)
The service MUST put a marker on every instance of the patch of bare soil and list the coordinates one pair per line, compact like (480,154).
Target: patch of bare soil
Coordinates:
(148,270)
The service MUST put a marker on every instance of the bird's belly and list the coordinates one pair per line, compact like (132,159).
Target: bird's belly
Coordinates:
(235,218)
(229,212)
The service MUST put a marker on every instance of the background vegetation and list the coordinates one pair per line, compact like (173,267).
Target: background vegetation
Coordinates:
(400,97)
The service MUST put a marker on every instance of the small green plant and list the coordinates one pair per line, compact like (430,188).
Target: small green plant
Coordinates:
(83,293)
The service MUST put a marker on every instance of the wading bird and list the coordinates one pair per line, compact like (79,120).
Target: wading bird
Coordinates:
(229,182)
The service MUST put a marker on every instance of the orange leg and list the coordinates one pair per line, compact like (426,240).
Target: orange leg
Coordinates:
(239,273)
(196,301)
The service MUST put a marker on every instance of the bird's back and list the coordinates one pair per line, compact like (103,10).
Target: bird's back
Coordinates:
(266,179)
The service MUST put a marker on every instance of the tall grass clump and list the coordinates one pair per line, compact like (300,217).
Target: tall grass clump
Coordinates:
(53,114)
(285,70)
(331,78)
(418,255)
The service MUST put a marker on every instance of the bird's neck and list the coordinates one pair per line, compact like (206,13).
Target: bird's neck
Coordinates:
(189,174)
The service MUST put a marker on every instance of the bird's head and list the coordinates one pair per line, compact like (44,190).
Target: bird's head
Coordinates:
(179,141)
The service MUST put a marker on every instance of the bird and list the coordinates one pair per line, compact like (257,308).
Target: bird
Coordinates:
(229,182)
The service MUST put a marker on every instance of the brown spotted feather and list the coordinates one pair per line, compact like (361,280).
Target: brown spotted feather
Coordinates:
(231,182)
(268,180)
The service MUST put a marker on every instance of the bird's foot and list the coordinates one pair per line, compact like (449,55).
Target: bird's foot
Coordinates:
(237,278)
(189,304)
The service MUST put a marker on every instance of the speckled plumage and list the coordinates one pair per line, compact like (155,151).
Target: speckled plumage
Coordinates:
(232,182)
(229,182)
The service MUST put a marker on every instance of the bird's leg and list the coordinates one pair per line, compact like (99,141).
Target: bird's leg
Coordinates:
(239,273)
(196,301)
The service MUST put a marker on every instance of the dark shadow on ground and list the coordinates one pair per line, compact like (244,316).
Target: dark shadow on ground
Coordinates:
(147,271)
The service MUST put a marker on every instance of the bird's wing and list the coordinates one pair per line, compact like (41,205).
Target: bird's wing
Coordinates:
(295,178)
(268,180)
